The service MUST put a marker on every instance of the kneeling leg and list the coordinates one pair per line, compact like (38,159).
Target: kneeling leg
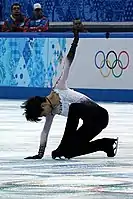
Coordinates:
(74,149)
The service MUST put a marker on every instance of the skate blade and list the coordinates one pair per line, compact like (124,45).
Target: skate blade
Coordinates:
(115,146)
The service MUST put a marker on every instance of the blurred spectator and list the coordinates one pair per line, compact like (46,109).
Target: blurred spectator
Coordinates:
(16,21)
(38,22)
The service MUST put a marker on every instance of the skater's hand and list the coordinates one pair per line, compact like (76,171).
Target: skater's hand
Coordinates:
(78,26)
(34,157)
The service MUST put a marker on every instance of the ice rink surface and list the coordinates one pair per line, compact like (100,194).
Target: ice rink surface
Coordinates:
(93,176)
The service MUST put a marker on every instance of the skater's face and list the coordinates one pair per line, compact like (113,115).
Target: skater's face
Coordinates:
(46,108)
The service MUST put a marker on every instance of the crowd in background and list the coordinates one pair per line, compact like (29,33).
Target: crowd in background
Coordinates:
(17,22)
(38,22)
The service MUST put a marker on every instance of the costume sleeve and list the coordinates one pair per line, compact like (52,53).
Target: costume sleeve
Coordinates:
(44,134)
(62,81)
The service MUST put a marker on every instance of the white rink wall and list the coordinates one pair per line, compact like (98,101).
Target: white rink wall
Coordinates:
(103,64)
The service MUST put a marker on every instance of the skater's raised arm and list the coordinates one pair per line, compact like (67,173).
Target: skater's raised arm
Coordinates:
(62,81)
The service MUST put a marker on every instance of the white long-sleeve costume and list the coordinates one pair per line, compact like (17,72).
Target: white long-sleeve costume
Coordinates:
(67,96)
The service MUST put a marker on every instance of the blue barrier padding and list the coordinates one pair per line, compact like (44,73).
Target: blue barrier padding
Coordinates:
(101,95)
(64,35)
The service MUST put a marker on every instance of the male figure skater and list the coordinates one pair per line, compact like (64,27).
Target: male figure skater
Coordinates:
(75,106)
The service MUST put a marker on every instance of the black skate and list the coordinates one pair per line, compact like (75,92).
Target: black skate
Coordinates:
(57,154)
(112,149)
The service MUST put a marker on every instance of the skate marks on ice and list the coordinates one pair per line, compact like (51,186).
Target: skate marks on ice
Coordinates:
(73,178)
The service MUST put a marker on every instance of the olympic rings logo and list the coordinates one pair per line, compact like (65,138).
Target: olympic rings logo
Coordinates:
(114,63)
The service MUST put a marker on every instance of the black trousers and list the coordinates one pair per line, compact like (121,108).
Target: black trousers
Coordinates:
(76,142)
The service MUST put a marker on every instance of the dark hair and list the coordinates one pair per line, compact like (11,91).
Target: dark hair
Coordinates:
(32,108)
(15,4)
